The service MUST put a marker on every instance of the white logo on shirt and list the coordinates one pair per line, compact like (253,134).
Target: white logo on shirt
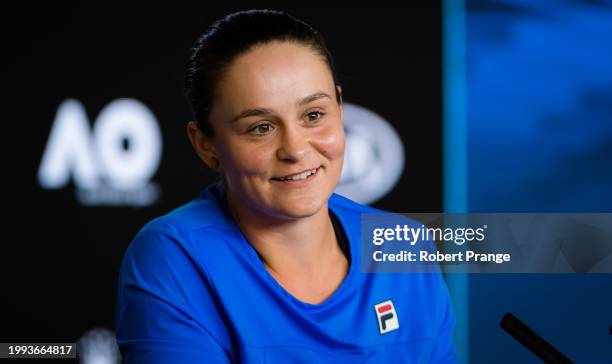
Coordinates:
(387,317)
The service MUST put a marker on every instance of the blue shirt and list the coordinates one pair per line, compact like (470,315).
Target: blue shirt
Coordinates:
(193,290)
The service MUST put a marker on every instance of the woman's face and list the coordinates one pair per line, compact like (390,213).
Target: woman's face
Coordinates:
(279,136)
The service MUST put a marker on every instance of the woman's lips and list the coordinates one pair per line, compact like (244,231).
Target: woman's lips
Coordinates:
(298,177)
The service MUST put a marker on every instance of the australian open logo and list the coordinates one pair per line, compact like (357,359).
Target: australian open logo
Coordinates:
(110,165)
(374,156)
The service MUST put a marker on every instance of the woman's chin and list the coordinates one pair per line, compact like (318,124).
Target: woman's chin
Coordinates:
(300,208)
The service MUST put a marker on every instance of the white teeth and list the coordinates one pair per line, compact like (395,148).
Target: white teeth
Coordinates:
(299,177)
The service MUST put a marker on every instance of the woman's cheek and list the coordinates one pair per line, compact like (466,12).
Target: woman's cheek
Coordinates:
(250,159)
(330,141)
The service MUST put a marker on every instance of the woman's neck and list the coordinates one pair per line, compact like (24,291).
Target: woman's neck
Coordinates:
(301,254)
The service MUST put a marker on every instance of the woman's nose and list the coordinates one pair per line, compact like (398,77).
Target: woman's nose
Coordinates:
(294,144)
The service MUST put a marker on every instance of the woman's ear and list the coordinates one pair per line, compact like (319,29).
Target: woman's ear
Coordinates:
(203,146)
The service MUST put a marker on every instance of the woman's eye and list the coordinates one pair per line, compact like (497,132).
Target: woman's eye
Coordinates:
(314,116)
(261,129)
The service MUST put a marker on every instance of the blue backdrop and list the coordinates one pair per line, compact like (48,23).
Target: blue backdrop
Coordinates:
(528,120)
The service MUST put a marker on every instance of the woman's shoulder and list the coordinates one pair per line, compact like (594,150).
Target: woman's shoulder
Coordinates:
(200,219)
(164,278)
(346,205)
(176,241)
(203,212)
(354,211)
(350,211)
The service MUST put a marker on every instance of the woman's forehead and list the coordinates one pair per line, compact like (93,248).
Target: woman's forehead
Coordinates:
(274,74)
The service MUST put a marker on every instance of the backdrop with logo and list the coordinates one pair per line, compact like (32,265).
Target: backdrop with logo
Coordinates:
(107,148)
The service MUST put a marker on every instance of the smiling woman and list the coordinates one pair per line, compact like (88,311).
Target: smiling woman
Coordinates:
(260,268)
(275,117)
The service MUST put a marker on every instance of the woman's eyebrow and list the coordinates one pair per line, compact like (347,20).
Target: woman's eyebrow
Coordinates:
(308,99)
(251,112)
(263,111)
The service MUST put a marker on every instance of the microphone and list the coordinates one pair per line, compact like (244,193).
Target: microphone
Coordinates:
(532,341)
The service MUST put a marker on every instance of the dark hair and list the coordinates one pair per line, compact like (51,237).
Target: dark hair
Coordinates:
(228,38)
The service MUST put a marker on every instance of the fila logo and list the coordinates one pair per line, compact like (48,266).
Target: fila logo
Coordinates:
(387,317)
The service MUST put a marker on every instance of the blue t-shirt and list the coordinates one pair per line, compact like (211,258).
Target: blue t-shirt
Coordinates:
(193,290)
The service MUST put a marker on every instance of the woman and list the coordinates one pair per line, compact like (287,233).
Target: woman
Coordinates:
(260,267)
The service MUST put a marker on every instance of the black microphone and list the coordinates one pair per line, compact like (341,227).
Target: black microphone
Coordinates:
(531,340)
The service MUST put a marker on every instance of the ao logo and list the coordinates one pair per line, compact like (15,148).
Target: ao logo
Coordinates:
(113,164)
(374,156)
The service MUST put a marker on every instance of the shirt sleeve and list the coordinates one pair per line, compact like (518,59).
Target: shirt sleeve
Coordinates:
(444,351)
(166,312)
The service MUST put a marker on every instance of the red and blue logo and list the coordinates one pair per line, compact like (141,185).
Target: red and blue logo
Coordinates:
(387,317)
